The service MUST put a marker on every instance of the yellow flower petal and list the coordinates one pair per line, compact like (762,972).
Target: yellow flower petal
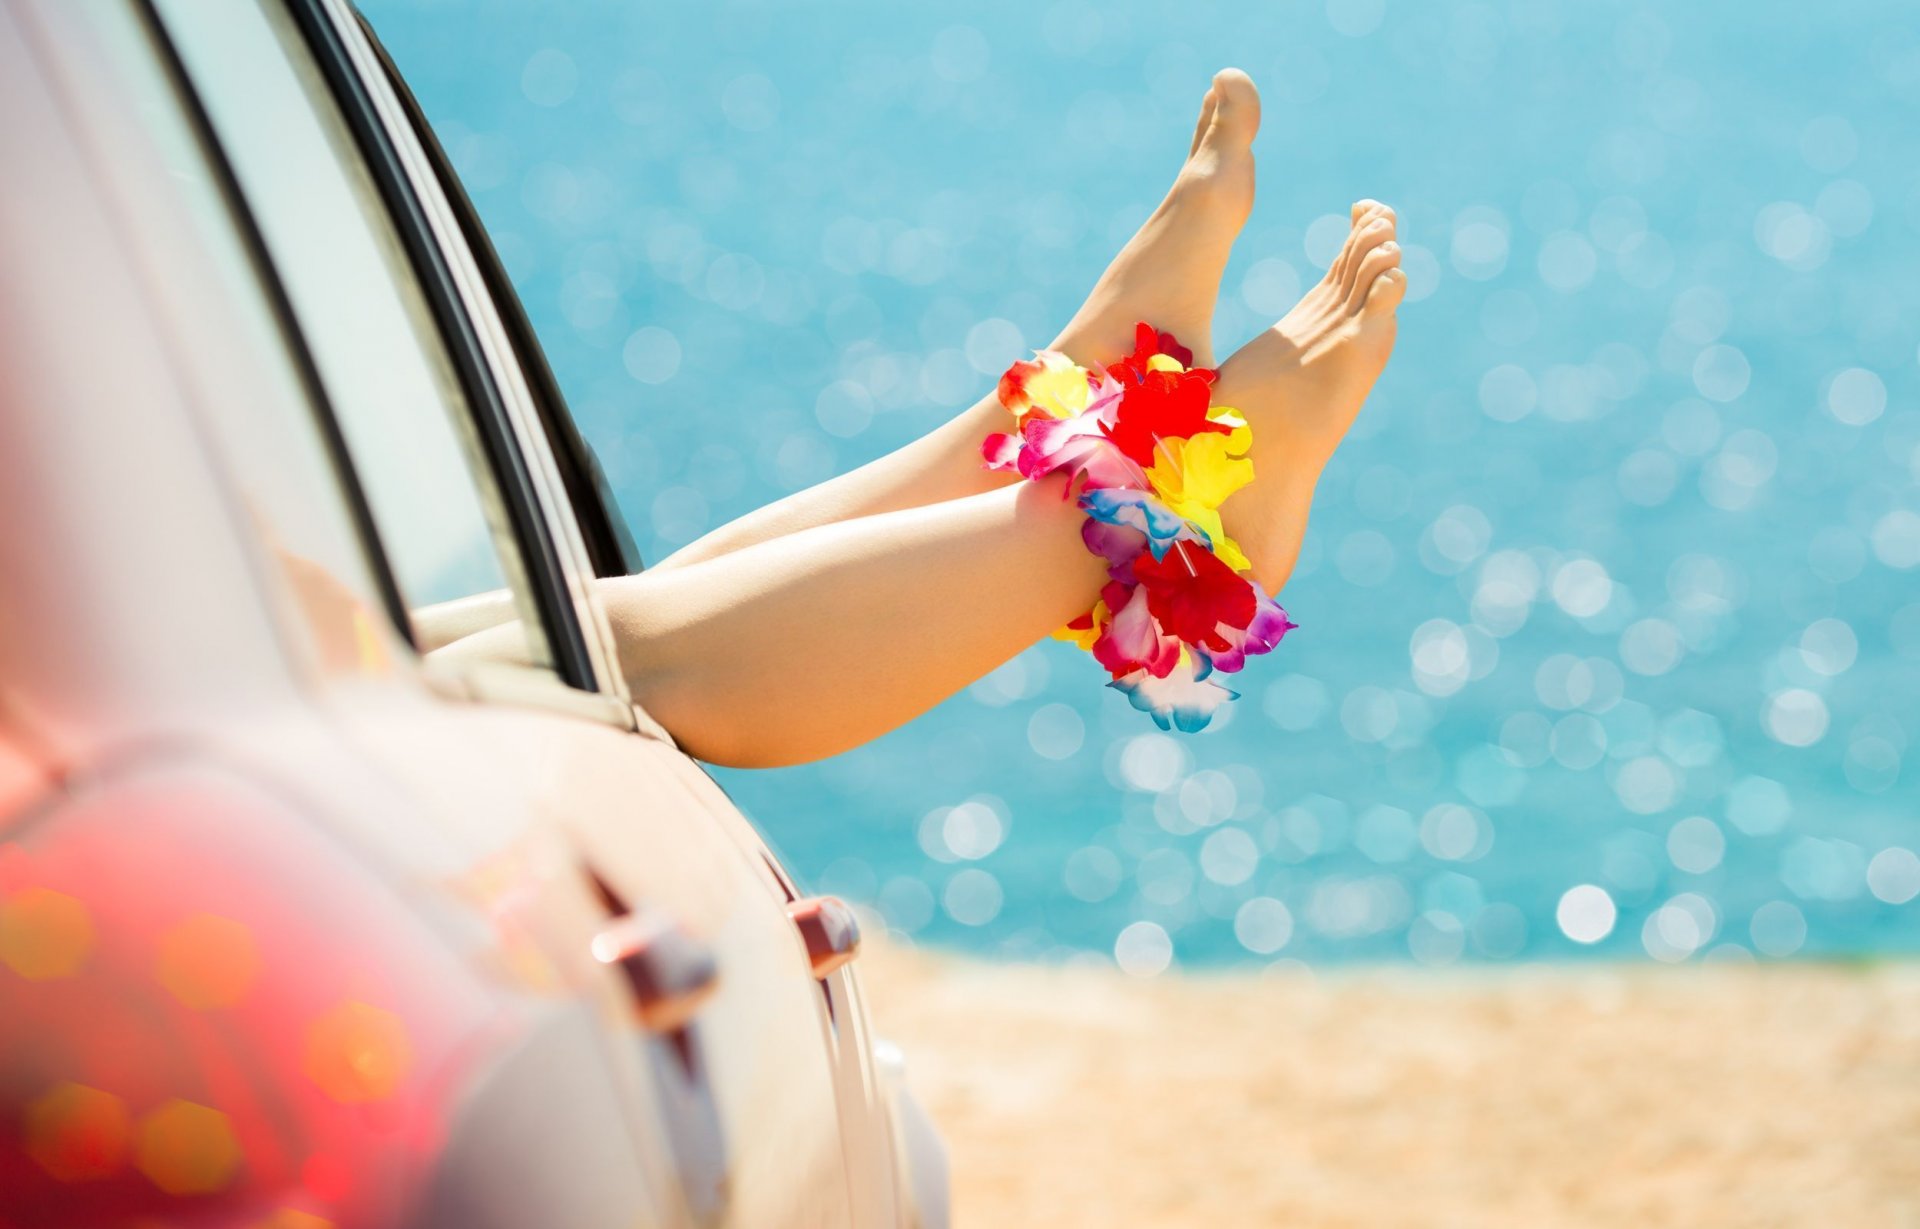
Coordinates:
(1085,638)
(1207,520)
(1231,554)
(1059,389)
(1164,362)
(1202,470)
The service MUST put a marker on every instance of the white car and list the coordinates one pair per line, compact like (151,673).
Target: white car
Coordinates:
(303,922)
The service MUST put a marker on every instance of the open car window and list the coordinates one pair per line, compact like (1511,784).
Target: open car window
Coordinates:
(608,539)
(445,488)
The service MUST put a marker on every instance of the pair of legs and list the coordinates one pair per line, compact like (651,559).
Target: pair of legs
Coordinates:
(825,619)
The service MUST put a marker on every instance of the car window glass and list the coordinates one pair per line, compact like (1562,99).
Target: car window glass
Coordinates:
(442,523)
(286,480)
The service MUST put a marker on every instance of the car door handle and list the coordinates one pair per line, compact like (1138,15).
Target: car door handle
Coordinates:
(830,930)
(670,972)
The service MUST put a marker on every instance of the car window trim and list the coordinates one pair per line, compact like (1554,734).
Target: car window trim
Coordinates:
(540,559)
(280,305)
(611,548)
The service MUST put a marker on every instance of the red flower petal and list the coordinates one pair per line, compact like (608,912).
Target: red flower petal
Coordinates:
(1148,342)
(1192,593)
(1164,343)
(1162,405)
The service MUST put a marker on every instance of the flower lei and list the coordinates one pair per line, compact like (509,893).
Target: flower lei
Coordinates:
(1152,459)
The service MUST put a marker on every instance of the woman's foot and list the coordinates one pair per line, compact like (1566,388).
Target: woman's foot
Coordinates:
(1169,272)
(1301,383)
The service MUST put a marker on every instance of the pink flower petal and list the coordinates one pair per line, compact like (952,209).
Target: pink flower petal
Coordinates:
(1001,451)
(1133,641)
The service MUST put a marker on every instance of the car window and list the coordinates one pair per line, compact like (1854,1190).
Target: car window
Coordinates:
(435,503)
(280,456)
(606,535)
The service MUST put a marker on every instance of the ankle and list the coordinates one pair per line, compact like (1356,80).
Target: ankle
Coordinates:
(1269,517)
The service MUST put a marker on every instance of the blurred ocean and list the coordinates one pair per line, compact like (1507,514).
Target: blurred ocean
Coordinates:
(1611,605)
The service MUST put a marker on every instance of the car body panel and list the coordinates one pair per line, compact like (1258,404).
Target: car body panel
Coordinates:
(757,1045)
(280,1037)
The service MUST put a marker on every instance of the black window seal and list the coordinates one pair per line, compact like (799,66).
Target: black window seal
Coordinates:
(609,541)
(280,306)
(539,558)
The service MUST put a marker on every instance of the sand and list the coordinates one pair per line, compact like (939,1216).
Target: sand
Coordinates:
(1643,1096)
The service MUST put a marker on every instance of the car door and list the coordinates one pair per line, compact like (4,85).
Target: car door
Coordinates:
(464,499)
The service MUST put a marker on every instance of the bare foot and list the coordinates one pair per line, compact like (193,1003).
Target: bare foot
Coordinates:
(1301,383)
(1169,273)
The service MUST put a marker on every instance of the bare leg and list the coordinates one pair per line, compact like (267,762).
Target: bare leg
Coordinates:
(892,587)
(1169,274)
(798,648)
(1302,382)
(793,650)
(804,646)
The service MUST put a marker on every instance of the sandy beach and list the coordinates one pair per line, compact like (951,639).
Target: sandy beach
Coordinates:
(1643,1096)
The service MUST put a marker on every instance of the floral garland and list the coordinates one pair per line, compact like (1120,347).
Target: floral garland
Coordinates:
(1152,460)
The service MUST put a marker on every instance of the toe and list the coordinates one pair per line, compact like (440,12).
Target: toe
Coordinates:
(1376,215)
(1376,230)
(1385,293)
(1236,112)
(1378,260)
(1218,175)
(1206,120)
(1365,211)
(1361,215)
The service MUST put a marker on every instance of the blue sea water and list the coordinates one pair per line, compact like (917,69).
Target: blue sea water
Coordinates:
(1610,608)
